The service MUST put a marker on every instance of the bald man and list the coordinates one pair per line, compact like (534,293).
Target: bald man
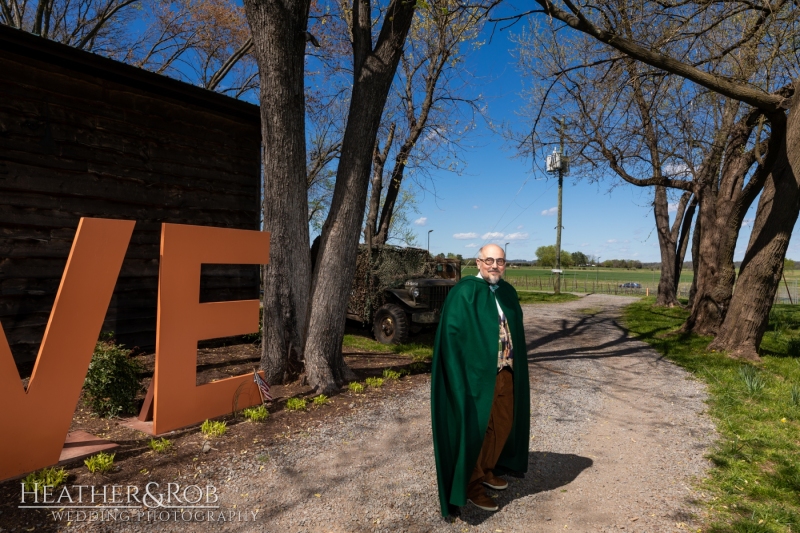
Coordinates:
(480,398)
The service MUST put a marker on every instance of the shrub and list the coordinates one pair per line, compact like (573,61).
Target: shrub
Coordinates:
(160,445)
(375,383)
(391,374)
(258,413)
(296,404)
(112,380)
(50,477)
(356,387)
(214,428)
(320,400)
(102,462)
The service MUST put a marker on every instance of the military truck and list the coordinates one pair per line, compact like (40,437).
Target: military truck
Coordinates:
(400,290)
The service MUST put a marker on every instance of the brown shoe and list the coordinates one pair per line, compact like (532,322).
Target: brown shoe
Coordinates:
(494,482)
(477,497)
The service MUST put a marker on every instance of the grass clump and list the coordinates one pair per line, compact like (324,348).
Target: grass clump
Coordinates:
(257,413)
(102,462)
(356,387)
(374,383)
(753,382)
(391,374)
(112,380)
(47,477)
(296,404)
(214,428)
(160,445)
(754,484)
(320,400)
(545,297)
(411,349)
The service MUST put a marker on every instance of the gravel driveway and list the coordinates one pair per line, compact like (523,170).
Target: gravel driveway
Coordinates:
(618,436)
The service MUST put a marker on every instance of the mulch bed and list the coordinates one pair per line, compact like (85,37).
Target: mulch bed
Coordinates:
(136,464)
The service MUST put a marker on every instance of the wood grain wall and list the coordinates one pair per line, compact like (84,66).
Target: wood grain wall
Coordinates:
(84,136)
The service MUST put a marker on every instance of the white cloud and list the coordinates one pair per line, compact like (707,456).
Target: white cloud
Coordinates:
(584,244)
(492,235)
(611,241)
(672,208)
(747,222)
(471,245)
(474,207)
(550,212)
(626,240)
(636,254)
(421,221)
(520,226)
(518,236)
(465,236)
(677,170)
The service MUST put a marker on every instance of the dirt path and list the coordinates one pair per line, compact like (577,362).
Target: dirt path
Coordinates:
(618,436)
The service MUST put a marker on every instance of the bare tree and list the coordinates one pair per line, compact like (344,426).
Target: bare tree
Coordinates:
(429,93)
(279,35)
(746,319)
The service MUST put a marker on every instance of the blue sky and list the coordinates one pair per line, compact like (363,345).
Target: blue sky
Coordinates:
(499,199)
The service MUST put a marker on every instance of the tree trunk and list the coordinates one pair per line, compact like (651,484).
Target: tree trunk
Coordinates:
(379,160)
(695,263)
(333,274)
(278,28)
(762,266)
(683,241)
(667,242)
(707,312)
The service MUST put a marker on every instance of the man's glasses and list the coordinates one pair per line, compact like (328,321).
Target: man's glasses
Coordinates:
(489,261)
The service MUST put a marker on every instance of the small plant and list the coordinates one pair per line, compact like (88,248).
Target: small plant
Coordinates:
(356,387)
(391,374)
(102,462)
(418,366)
(320,400)
(796,395)
(256,414)
(160,445)
(296,404)
(375,383)
(752,381)
(214,428)
(47,477)
(112,380)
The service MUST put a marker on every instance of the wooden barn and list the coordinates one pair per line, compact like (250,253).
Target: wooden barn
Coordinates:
(84,136)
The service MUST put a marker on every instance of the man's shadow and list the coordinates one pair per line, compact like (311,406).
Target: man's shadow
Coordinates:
(546,471)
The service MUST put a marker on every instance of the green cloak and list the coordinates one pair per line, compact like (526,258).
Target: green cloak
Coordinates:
(462,385)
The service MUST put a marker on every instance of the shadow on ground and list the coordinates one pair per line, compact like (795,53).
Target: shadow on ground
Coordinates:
(547,471)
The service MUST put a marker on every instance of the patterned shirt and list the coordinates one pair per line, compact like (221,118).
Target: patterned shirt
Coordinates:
(505,348)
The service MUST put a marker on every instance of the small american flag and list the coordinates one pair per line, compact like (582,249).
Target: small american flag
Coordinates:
(263,388)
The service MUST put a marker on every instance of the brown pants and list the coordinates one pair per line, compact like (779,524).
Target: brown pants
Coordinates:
(501,418)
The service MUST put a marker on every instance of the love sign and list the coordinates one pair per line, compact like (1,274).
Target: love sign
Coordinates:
(36,420)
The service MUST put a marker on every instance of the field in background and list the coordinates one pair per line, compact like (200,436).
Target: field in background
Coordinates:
(608,281)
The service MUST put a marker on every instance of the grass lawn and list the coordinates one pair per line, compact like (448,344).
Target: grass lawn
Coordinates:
(545,297)
(605,275)
(755,484)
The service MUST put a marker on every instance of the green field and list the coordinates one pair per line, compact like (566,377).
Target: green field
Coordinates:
(608,280)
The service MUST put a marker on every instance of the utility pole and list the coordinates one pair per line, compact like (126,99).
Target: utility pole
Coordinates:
(558,162)
(429,241)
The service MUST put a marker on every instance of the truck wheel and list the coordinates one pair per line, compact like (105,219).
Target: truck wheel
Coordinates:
(391,325)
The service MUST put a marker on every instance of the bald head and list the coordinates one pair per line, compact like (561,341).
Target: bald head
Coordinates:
(491,272)
(491,250)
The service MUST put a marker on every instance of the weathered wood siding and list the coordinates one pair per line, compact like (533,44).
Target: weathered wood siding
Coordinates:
(84,136)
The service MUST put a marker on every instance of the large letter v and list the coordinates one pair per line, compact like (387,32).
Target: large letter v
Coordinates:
(35,422)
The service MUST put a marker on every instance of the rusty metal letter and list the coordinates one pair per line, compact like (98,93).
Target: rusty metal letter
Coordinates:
(183,320)
(35,421)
